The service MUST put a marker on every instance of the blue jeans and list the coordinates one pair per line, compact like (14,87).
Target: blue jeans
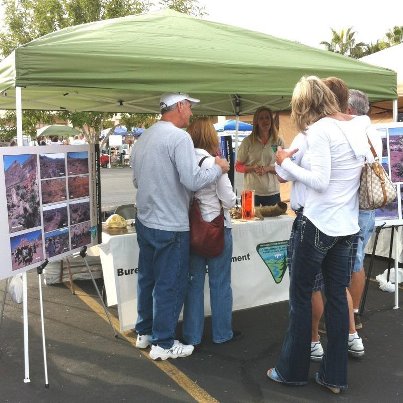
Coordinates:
(366,221)
(315,251)
(318,284)
(219,274)
(161,282)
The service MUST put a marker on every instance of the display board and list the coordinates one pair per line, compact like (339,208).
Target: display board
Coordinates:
(49,199)
(392,161)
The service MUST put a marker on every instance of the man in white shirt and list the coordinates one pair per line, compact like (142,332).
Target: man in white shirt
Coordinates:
(358,104)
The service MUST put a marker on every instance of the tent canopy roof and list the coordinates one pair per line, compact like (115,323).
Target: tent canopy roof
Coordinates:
(125,64)
(390,58)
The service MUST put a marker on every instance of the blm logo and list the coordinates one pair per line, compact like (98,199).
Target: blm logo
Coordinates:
(274,256)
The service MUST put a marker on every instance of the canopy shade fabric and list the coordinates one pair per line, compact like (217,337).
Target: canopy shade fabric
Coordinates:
(125,64)
(390,58)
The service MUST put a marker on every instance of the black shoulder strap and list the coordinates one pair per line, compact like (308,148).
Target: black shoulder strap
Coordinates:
(202,160)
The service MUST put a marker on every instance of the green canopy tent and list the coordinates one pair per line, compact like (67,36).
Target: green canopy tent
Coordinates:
(58,130)
(124,64)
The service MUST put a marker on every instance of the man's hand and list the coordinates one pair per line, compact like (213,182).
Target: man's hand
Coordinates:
(282,154)
(223,164)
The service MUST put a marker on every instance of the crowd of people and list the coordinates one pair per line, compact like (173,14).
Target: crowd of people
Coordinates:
(78,139)
(326,247)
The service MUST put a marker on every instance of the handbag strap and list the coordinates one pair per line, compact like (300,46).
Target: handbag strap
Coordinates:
(372,148)
(202,160)
(200,164)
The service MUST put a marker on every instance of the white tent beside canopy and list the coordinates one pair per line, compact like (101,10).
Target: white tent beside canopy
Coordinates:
(389,58)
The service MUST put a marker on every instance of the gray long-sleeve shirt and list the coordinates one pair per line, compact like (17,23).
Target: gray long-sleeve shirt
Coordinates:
(165,172)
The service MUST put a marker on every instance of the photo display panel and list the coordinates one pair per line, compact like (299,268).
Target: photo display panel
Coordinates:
(392,161)
(49,201)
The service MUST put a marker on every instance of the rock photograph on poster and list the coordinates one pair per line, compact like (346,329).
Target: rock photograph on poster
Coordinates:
(53,190)
(26,249)
(392,161)
(57,242)
(80,235)
(55,216)
(52,165)
(79,186)
(77,163)
(22,192)
(79,211)
(396,153)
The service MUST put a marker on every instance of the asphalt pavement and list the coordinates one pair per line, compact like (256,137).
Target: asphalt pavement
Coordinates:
(86,363)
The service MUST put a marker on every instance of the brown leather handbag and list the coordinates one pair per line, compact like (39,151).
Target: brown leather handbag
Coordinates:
(206,238)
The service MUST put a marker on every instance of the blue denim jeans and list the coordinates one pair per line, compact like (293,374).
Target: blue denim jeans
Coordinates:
(366,221)
(315,251)
(318,284)
(219,275)
(161,283)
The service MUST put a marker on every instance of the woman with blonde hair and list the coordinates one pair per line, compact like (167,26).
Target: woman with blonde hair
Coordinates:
(211,198)
(330,168)
(256,157)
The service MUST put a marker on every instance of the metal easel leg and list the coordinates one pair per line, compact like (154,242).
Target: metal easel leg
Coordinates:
(83,254)
(45,364)
(371,264)
(392,232)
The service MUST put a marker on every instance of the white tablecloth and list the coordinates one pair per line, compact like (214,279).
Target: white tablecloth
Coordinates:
(257,264)
(383,245)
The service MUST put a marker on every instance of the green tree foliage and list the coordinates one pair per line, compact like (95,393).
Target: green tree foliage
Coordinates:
(30,119)
(190,7)
(144,120)
(344,42)
(395,35)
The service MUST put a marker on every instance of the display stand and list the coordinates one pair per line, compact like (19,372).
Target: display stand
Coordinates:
(378,229)
(45,366)
(83,254)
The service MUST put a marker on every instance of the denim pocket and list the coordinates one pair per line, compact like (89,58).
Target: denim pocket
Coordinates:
(322,242)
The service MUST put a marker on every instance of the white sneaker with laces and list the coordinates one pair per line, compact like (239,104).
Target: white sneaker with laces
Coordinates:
(143,341)
(177,350)
(355,346)
(316,351)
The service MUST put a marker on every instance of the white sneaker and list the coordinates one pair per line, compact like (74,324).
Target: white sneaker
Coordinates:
(355,346)
(177,350)
(316,351)
(143,341)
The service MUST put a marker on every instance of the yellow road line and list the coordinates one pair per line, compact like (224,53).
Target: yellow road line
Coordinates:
(199,394)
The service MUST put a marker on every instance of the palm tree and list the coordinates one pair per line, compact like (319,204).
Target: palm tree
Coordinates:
(395,35)
(345,43)
(375,47)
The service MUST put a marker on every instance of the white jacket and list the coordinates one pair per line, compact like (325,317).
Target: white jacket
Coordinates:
(335,155)
(211,195)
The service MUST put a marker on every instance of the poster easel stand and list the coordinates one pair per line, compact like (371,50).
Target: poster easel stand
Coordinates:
(83,254)
(378,229)
(39,270)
